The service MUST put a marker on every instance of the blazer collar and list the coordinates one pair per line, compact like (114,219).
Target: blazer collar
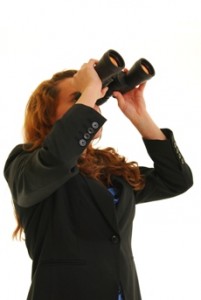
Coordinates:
(104,202)
(125,210)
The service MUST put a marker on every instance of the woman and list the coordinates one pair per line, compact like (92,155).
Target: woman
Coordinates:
(75,203)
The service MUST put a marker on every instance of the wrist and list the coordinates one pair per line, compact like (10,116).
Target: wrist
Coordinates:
(89,96)
(148,129)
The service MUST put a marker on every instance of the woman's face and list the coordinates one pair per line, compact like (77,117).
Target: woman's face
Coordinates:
(68,95)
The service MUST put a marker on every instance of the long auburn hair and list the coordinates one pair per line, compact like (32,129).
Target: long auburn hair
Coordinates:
(99,164)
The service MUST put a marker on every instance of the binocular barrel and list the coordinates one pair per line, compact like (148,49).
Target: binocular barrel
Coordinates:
(109,66)
(110,70)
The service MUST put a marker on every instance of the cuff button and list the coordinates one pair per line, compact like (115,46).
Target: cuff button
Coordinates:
(82,142)
(95,125)
(87,136)
(90,130)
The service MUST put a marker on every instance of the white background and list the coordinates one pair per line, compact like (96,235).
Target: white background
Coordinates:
(37,40)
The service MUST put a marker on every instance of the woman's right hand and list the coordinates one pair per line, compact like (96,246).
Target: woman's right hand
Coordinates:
(89,84)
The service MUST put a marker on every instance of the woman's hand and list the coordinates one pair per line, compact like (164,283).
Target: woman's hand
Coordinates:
(89,84)
(132,104)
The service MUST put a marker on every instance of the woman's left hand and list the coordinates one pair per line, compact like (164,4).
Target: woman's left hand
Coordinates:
(132,103)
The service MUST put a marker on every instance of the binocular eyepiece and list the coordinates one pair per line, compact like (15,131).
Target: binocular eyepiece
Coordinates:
(110,70)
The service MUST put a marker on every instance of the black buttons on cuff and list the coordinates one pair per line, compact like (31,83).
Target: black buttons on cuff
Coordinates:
(87,135)
(82,142)
(90,130)
(95,125)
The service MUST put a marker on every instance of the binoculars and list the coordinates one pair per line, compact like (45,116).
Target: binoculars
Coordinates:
(110,70)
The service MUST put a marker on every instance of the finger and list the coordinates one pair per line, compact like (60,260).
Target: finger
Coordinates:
(104,90)
(120,99)
(116,94)
(142,86)
(93,61)
(125,70)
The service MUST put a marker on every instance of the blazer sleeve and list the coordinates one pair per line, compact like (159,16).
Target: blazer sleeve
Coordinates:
(33,176)
(170,175)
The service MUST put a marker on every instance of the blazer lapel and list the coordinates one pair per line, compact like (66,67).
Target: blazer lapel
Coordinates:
(125,210)
(104,202)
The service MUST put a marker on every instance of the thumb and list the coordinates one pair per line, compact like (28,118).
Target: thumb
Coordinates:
(104,90)
(120,99)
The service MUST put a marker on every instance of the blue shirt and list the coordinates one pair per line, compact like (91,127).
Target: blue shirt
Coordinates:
(115,194)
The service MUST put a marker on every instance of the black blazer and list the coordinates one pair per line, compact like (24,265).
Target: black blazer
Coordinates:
(79,242)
